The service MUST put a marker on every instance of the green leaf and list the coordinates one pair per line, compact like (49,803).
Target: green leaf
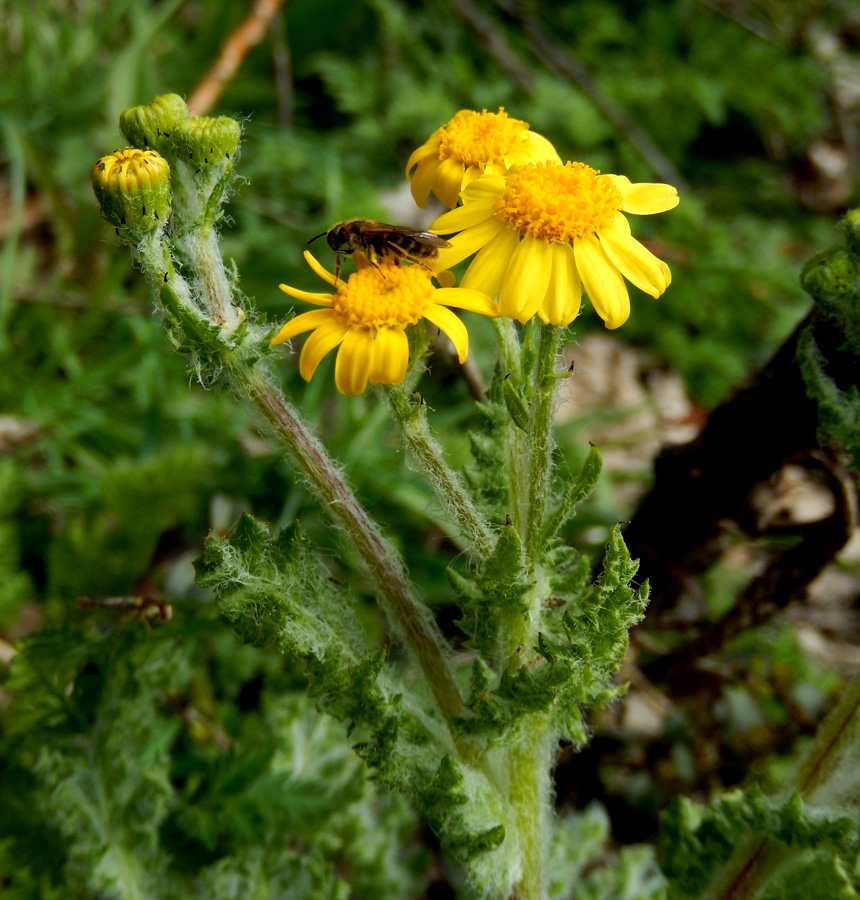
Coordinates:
(492,598)
(516,405)
(579,490)
(793,843)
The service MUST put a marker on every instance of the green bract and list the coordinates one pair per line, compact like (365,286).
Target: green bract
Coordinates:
(205,141)
(151,126)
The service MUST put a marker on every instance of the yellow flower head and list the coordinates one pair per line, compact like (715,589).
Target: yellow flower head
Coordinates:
(546,231)
(367,317)
(133,189)
(470,145)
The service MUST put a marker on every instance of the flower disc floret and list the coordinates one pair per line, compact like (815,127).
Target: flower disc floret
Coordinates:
(478,139)
(379,297)
(367,317)
(468,146)
(558,203)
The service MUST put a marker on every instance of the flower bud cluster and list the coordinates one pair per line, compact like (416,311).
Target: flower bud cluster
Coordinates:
(133,186)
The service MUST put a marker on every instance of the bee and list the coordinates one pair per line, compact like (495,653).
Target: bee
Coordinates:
(378,241)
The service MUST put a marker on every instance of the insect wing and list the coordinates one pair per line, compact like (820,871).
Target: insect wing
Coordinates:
(401,236)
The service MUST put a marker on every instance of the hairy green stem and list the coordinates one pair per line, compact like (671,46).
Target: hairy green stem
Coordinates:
(429,457)
(509,354)
(509,348)
(540,438)
(530,796)
(204,256)
(411,619)
(529,455)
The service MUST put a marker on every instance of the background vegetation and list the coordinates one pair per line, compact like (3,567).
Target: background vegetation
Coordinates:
(203,759)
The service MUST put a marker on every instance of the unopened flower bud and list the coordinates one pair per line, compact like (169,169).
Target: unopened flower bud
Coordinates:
(830,275)
(151,127)
(206,142)
(851,224)
(133,189)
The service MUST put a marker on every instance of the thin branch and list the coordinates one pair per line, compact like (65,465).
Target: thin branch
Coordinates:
(249,33)
(283,71)
(733,14)
(562,64)
(495,42)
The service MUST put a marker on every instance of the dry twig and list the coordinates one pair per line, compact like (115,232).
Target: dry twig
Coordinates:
(249,33)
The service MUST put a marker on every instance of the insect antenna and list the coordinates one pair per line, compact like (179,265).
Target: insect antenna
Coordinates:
(321,234)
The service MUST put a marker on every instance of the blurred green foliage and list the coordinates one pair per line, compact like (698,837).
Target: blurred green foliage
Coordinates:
(114,463)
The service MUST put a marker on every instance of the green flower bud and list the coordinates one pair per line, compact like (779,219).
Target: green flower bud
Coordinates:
(851,224)
(206,142)
(829,275)
(151,126)
(133,189)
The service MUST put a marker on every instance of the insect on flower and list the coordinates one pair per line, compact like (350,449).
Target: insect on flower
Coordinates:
(143,608)
(376,241)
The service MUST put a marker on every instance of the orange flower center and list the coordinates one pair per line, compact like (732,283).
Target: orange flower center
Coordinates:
(384,295)
(476,139)
(558,202)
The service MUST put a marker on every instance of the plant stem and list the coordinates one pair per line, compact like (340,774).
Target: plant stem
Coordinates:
(540,438)
(410,618)
(530,792)
(529,455)
(509,354)
(429,457)
(509,348)
(204,255)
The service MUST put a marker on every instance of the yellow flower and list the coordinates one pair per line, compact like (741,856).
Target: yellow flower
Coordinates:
(468,146)
(546,231)
(367,317)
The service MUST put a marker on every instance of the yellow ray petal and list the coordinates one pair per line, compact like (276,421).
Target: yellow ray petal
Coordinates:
(429,148)
(538,150)
(466,298)
(423,180)
(602,282)
(526,279)
(446,320)
(496,167)
(464,216)
(307,296)
(305,322)
(471,174)
(324,339)
(353,361)
(323,273)
(467,242)
(645,199)
(487,188)
(636,263)
(449,180)
(390,357)
(486,271)
(564,293)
